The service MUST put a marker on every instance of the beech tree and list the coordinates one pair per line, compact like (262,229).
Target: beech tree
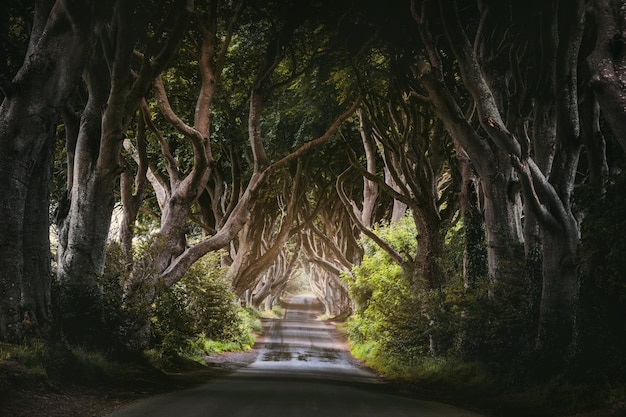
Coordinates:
(501,209)
(504,136)
(416,156)
(219,120)
(60,41)
(116,84)
(171,253)
(263,242)
(606,63)
(330,247)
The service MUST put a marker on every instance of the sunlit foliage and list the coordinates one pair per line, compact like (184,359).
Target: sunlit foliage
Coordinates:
(200,315)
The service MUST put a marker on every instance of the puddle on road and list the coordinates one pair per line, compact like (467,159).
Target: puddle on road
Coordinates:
(276,356)
(328,355)
(320,355)
(273,354)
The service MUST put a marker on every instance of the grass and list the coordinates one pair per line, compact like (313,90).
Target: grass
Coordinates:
(28,359)
(277,312)
(50,363)
(476,385)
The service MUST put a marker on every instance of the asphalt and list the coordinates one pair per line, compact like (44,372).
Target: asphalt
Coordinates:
(302,370)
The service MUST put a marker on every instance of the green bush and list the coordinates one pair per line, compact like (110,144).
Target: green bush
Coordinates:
(395,327)
(200,315)
(389,325)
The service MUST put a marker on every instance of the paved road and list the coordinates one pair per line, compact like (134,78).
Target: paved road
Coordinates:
(301,371)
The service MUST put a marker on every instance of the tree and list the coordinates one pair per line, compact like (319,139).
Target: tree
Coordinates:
(416,153)
(264,241)
(501,208)
(606,63)
(171,254)
(330,246)
(59,42)
(503,137)
(116,84)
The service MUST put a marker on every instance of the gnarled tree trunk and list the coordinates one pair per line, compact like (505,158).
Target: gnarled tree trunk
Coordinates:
(115,91)
(28,117)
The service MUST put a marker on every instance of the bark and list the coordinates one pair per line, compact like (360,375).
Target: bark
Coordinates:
(594,142)
(132,190)
(85,229)
(36,289)
(558,311)
(277,278)
(28,116)
(399,207)
(607,63)
(501,212)
(80,253)
(370,188)
(115,91)
(243,279)
(474,253)
(549,199)
(543,142)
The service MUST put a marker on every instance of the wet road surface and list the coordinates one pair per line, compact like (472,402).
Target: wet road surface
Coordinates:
(301,371)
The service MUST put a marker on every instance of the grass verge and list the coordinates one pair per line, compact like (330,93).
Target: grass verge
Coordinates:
(475,386)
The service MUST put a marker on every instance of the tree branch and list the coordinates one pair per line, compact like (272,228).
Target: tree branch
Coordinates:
(395,256)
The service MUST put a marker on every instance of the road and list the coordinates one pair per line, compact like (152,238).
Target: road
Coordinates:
(301,371)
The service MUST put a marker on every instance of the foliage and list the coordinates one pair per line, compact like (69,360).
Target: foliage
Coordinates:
(475,341)
(395,328)
(199,315)
(387,321)
(14,32)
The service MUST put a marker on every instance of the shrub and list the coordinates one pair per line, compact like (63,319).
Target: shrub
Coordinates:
(395,326)
(388,323)
(200,315)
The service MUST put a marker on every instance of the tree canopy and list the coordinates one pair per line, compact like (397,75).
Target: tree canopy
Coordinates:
(442,163)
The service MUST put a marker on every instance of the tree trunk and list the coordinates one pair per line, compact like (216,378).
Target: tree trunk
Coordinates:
(474,252)
(501,208)
(607,64)
(427,269)
(84,228)
(131,192)
(263,261)
(115,92)
(28,117)
(505,257)
(370,188)
(557,318)
(36,297)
